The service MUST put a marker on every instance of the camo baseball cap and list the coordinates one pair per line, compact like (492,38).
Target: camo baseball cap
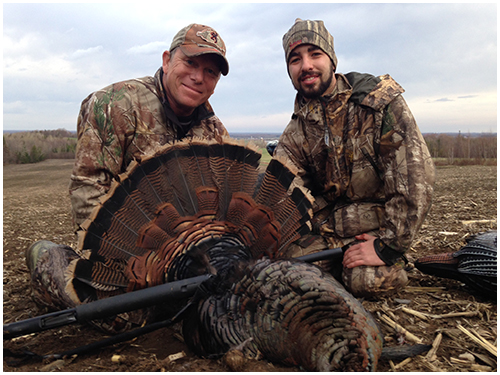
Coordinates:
(309,32)
(196,40)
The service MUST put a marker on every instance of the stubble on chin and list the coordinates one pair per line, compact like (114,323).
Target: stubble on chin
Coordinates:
(317,91)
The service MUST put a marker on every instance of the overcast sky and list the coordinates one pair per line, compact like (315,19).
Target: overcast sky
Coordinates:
(444,55)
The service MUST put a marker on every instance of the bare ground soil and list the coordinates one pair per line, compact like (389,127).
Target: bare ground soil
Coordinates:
(36,206)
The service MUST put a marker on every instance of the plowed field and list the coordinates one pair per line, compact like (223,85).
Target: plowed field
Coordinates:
(36,206)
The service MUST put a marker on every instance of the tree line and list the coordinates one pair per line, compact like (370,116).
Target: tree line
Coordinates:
(463,149)
(36,146)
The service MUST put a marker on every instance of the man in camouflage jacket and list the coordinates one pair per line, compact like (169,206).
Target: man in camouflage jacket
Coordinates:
(123,122)
(133,118)
(359,151)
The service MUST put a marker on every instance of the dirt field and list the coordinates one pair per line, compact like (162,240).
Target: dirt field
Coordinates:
(36,206)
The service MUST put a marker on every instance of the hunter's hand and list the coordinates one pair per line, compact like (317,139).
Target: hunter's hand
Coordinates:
(363,253)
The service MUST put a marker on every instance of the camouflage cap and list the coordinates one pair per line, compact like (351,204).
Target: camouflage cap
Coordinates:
(309,32)
(196,40)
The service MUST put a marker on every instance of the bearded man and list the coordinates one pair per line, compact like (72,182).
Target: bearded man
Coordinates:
(359,151)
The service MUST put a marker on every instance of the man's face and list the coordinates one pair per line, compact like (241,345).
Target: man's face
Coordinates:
(189,81)
(311,71)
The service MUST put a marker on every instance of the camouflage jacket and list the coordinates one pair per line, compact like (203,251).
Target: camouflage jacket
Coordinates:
(120,123)
(364,159)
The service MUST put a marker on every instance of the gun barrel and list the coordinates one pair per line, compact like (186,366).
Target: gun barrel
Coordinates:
(127,302)
(105,307)
(39,323)
(322,255)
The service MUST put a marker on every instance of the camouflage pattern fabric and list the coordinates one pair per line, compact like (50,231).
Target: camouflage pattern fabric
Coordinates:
(120,123)
(48,277)
(361,281)
(365,162)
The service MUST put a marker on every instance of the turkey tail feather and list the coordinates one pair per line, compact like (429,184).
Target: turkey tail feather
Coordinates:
(180,211)
(292,209)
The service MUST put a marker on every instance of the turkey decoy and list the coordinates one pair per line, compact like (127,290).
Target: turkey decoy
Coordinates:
(199,207)
(475,264)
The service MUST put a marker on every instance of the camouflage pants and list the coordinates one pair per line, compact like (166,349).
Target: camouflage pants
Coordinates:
(361,281)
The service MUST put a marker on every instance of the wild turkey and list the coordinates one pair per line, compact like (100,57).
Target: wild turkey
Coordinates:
(199,207)
(288,311)
(475,264)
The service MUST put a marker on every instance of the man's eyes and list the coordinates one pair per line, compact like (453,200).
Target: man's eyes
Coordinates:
(210,71)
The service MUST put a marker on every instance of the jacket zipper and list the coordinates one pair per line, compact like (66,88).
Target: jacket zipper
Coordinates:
(327,130)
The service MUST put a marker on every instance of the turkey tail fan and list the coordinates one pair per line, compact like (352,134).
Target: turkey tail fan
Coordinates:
(288,311)
(172,214)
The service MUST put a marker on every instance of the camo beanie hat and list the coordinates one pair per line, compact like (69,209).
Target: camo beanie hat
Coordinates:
(309,32)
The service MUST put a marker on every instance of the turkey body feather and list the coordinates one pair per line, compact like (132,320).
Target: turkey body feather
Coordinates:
(200,207)
(287,311)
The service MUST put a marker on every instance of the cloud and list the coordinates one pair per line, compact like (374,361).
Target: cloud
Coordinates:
(149,48)
(53,54)
(441,100)
(476,113)
(86,52)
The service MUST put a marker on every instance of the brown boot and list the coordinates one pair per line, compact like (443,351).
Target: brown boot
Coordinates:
(47,262)
(35,251)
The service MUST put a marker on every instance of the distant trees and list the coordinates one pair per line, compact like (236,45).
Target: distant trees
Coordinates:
(36,146)
(477,149)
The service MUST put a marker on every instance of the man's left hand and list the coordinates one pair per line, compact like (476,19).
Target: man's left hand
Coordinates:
(363,253)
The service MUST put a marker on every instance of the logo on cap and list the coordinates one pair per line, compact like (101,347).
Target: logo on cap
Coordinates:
(211,36)
(292,45)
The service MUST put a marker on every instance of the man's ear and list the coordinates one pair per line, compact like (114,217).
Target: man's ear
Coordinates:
(165,61)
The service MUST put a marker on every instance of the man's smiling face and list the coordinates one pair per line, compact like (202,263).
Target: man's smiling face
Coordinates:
(311,71)
(189,81)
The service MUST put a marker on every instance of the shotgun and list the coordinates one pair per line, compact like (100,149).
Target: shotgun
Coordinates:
(129,301)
